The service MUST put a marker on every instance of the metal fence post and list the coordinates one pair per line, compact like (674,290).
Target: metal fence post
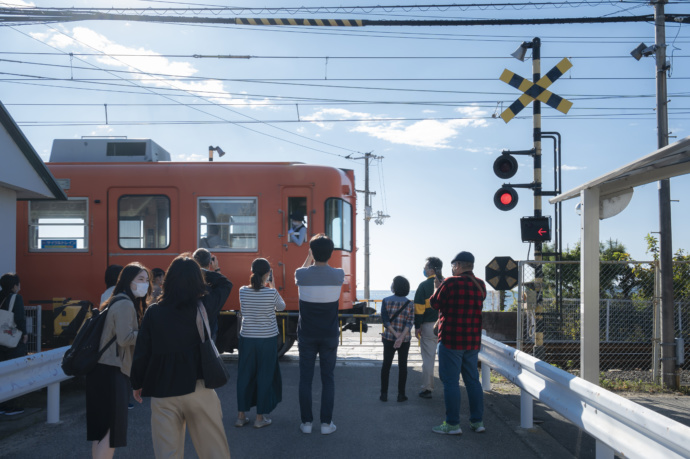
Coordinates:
(656,340)
(54,403)
(486,372)
(526,410)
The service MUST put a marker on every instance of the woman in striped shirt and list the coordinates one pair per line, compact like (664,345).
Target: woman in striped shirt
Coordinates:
(258,376)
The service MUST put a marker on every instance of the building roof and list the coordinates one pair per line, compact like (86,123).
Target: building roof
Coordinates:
(31,156)
(671,161)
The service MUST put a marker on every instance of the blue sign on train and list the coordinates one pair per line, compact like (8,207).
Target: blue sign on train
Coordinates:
(59,244)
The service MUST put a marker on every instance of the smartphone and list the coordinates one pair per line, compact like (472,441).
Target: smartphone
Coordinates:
(270,276)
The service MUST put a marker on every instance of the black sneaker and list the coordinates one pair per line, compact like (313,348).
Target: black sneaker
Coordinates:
(402,398)
(425,394)
(13,411)
(130,406)
(383,397)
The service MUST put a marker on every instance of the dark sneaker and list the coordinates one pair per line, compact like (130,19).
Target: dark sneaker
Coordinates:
(425,394)
(402,398)
(383,397)
(447,429)
(13,411)
(478,426)
(130,406)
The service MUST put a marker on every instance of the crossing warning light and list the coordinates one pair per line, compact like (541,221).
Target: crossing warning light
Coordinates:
(506,198)
(505,166)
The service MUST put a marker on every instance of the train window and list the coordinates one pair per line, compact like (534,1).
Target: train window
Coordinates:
(228,224)
(126,149)
(59,226)
(143,221)
(339,223)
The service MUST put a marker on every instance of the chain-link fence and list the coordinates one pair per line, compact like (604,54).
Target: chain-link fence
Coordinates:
(629,313)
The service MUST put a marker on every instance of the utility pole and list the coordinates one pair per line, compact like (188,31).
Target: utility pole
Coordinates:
(668,331)
(368,215)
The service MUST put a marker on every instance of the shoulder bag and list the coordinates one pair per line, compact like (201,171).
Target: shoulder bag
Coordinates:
(9,333)
(215,373)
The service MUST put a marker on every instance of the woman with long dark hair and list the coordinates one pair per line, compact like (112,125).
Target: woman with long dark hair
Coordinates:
(107,386)
(167,368)
(258,374)
(9,283)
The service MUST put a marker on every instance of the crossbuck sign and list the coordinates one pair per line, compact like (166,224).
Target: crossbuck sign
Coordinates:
(536,91)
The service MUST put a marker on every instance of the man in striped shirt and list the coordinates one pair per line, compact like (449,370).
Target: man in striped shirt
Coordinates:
(317,330)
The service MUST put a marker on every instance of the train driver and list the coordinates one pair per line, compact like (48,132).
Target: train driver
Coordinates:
(297,232)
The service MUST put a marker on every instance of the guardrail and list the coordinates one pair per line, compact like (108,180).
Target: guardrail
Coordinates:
(33,372)
(618,425)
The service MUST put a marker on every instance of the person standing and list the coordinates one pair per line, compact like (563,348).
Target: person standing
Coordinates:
(258,373)
(10,285)
(156,283)
(107,386)
(112,272)
(459,301)
(167,368)
(317,330)
(397,317)
(218,287)
(425,318)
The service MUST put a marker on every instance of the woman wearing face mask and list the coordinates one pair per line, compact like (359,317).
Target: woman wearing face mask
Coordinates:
(107,386)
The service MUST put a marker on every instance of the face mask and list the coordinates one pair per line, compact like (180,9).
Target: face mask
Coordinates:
(140,289)
(424,273)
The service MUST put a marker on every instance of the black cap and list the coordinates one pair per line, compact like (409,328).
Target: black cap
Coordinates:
(463,257)
(297,216)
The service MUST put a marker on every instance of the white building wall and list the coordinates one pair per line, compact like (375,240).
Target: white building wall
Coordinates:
(8,230)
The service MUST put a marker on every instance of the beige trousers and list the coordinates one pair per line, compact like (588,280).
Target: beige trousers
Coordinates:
(202,412)
(428,350)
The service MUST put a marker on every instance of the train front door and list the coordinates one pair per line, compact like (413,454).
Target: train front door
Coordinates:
(297,214)
(142,226)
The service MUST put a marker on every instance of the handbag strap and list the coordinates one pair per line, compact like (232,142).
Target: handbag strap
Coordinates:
(12,297)
(392,318)
(202,321)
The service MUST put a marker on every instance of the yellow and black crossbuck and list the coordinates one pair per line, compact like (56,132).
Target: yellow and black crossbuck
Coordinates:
(536,91)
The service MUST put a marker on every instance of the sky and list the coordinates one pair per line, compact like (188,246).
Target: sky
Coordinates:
(425,99)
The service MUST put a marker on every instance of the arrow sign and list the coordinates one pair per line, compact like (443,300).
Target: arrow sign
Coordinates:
(535,229)
(536,91)
(502,273)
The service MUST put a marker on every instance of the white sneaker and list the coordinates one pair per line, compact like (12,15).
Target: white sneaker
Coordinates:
(305,427)
(327,429)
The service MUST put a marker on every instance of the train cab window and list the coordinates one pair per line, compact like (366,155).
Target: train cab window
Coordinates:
(339,223)
(143,221)
(59,226)
(228,224)
(297,219)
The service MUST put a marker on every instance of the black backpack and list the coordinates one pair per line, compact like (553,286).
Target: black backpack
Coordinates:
(82,357)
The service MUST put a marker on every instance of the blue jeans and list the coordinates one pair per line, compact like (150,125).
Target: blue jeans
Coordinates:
(327,349)
(451,363)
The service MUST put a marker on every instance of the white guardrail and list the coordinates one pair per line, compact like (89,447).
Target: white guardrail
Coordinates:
(618,425)
(33,372)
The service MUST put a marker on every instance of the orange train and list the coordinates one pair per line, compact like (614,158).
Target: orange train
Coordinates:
(128,202)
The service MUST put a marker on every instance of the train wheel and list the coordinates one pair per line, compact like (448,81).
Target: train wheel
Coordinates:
(284,346)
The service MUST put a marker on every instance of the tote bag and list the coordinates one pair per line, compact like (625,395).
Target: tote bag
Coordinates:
(9,333)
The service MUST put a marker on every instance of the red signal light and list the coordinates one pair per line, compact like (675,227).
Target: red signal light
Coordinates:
(506,198)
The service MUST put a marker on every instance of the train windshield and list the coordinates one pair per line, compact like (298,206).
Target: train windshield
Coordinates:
(58,225)
(339,223)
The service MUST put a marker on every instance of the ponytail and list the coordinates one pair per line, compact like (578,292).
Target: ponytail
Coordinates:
(260,267)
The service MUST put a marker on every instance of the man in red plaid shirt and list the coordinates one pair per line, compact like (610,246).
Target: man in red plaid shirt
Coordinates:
(459,301)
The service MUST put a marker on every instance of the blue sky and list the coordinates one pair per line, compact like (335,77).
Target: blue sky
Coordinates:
(439,141)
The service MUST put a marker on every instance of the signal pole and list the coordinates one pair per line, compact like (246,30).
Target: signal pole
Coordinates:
(368,215)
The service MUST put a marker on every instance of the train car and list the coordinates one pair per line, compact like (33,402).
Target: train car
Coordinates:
(127,202)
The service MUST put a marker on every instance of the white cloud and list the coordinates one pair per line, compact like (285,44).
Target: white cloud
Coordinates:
(565,167)
(191,157)
(139,60)
(18,4)
(425,133)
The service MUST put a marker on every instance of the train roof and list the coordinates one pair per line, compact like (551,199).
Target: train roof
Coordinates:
(107,150)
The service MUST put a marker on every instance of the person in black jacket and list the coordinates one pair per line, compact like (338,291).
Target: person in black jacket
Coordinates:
(218,287)
(167,368)
(10,286)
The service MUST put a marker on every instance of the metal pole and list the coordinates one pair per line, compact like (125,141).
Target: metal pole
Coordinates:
(668,364)
(536,133)
(367,217)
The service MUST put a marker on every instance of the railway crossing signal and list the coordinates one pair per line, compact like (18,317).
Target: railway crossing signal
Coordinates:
(502,273)
(506,198)
(535,229)
(538,91)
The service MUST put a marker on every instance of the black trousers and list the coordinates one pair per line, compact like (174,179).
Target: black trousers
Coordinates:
(388,353)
